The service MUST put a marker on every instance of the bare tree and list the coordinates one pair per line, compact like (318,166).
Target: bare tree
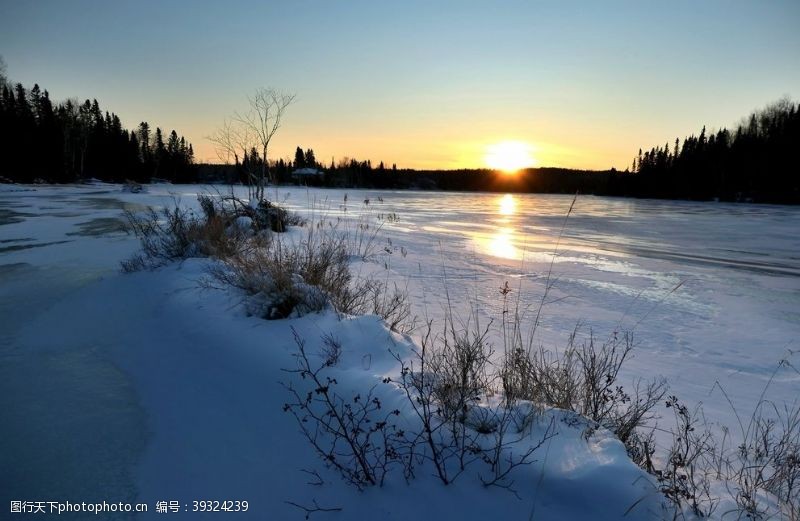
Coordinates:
(232,142)
(253,130)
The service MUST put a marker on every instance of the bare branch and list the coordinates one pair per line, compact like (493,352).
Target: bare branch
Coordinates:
(315,508)
(250,133)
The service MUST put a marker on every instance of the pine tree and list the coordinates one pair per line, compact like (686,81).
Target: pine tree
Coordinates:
(173,145)
(310,161)
(144,141)
(158,144)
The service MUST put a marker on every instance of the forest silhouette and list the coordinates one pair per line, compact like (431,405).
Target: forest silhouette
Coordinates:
(757,161)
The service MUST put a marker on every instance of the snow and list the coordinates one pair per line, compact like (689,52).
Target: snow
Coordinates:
(243,223)
(149,387)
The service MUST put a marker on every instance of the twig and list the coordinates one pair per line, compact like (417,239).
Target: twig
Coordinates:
(314,509)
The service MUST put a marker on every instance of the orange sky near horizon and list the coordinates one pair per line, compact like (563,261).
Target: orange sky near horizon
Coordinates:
(437,145)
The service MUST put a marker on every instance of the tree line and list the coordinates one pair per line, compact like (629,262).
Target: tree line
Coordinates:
(757,161)
(71,141)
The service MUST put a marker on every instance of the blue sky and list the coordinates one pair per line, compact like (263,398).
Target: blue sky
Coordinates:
(422,84)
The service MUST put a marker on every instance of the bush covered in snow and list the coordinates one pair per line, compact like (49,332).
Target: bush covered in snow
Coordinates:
(281,275)
(223,231)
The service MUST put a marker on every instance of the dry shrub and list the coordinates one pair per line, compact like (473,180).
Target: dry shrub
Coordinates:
(227,228)
(450,383)
(371,296)
(684,476)
(767,460)
(393,306)
(761,472)
(173,233)
(282,278)
(294,278)
(584,378)
(459,362)
(288,279)
(355,435)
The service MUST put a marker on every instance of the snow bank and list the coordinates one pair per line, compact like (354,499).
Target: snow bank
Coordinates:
(210,379)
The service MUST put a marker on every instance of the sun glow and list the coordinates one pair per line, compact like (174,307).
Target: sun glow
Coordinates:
(509,156)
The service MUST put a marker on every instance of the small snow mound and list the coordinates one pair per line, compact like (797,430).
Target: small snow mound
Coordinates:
(243,222)
(240,225)
(275,302)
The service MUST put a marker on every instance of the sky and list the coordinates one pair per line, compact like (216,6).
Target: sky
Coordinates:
(423,84)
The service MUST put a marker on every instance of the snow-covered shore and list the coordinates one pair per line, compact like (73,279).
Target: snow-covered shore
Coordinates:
(199,386)
(209,379)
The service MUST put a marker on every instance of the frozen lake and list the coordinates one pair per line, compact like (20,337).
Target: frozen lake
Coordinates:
(711,292)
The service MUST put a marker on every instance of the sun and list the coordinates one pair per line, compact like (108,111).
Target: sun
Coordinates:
(509,156)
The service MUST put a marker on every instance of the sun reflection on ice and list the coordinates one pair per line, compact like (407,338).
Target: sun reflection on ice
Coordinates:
(501,242)
(508,205)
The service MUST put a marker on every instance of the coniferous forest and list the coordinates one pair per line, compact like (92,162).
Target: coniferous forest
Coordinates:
(72,141)
(757,161)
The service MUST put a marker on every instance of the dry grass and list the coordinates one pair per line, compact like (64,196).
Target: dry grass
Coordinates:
(176,233)
(584,378)
(291,278)
(763,470)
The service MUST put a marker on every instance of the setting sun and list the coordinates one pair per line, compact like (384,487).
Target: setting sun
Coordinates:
(509,156)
